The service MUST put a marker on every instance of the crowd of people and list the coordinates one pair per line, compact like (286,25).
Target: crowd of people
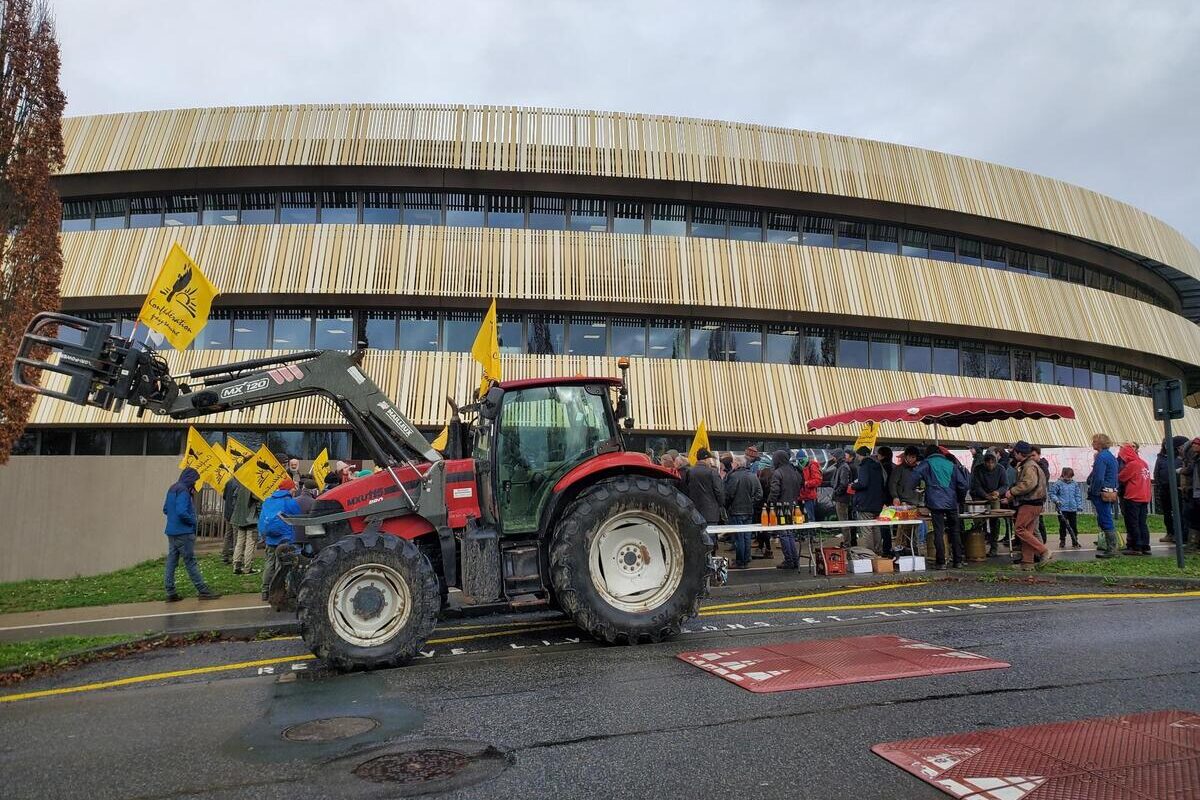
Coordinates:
(733,489)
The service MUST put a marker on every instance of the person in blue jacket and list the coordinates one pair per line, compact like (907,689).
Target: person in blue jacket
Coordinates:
(180,510)
(1104,476)
(946,484)
(1067,496)
(273,530)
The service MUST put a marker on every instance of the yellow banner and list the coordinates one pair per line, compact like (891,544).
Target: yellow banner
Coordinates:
(320,468)
(870,432)
(442,440)
(486,349)
(237,451)
(223,471)
(198,455)
(261,473)
(178,303)
(698,441)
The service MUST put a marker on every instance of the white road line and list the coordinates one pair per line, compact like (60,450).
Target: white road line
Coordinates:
(139,616)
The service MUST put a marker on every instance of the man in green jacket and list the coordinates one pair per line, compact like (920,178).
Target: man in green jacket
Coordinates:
(245,520)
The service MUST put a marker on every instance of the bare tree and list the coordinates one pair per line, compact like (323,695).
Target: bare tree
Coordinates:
(31,150)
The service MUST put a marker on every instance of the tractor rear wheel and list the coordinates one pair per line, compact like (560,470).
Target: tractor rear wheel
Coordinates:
(628,560)
(368,601)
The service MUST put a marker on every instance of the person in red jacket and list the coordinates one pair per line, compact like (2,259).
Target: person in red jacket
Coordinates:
(1134,480)
(810,473)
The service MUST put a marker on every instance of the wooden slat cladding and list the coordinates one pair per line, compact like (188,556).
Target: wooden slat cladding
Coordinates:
(668,396)
(357,262)
(611,145)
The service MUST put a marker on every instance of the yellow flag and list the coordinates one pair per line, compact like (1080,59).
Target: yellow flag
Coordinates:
(486,349)
(178,303)
(261,473)
(442,440)
(237,451)
(320,468)
(698,441)
(223,471)
(198,455)
(870,432)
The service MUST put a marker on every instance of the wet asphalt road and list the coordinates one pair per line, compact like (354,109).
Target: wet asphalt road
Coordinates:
(578,720)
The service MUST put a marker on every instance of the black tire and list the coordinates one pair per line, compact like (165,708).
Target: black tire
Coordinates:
(571,567)
(403,558)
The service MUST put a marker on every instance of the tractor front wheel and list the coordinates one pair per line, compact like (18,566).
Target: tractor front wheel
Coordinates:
(368,601)
(627,560)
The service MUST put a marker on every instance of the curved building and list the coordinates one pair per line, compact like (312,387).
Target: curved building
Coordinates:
(759,277)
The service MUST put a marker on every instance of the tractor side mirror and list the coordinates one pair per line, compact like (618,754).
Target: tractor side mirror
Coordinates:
(489,406)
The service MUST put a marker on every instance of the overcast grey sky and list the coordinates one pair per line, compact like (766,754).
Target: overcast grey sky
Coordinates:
(1102,94)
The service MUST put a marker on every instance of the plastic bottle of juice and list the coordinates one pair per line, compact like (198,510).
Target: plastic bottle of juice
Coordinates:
(765,518)
(772,518)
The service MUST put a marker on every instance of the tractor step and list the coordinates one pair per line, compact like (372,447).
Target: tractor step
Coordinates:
(522,571)
(527,601)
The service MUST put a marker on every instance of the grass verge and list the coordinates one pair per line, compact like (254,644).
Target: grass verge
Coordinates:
(16,655)
(137,584)
(1130,567)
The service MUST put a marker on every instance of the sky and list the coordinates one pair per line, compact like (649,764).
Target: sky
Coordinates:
(1102,94)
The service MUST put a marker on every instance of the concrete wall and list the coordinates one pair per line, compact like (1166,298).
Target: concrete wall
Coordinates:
(61,517)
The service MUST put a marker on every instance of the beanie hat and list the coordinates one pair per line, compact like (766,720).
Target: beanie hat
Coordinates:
(1023,447)
(287,484)
(702,454)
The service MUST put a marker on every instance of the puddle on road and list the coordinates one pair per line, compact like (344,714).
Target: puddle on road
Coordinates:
(309,703)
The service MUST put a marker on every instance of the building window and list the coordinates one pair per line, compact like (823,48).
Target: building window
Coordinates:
(1064,372)
(745,225)
(250,330)
(743,342)
(160,442)
(588,214)
(1044,368)
(27,444)
(459,329)
(851,235)
(665,339)
(298,208)
(587,336)
(628,337)
(668,219)
(781,227)
(970,251)
(339,208)
(217,333)
(181,209)
(917,354)
(419,331)
(1022,365)
(546,334)
(941,247)
(784,345)
(76,215)
(383,208)
(709,222)
(853,349)
(629,217)
(379,329)
(914,244)
(506,211)
(1099,379)
(145,212)
(973,360)
(945,357)
(999,363)
(547,213)
(820,347)
(220,209)
(1039,265)
(335,331)
(463,210)
(994,256)
(706,341)
(292,330)
(883,239)
(817,231)
(110,213)
(1113,379)
(91,442)
(258,208)
(127,442)
(510,330)
(1082,373)
(885,351)
(55,442)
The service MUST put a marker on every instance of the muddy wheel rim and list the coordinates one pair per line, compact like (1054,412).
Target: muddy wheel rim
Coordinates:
(636,561)
(369,605)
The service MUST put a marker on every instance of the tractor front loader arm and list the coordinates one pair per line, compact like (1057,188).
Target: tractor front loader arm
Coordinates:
(106,371)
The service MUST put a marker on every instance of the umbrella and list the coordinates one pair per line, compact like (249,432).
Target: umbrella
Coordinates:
(949,411)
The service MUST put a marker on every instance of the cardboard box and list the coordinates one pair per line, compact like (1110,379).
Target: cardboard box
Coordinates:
(858,565)
(911,563)
(882,565)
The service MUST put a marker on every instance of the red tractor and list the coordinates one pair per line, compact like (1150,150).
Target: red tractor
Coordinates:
(536,501)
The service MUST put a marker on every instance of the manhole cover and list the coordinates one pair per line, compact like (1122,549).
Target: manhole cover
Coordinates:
(418,766)
(328,730)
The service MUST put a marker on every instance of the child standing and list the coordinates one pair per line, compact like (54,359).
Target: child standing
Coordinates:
(1067,496)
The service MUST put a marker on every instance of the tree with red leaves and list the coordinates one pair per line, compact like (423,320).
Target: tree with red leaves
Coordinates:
(31,150)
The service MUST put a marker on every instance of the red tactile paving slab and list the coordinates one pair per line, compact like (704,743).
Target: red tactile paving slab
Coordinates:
(1151,756)
(830,662)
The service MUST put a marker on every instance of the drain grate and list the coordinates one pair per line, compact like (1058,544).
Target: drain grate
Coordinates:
(418,766)
(330,729)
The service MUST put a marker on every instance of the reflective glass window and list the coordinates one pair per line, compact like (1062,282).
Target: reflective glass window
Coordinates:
(1064,372)
(743,342)
(781,227)
(668,219)
(1112,380)
(181,209)
(297,208)
(628,337)
(785,345)
(546,334)
(1022,365)
(55,442)
(419,331)
(258,208)
(709,222)
(1075,273)
(76,215)
(161,442)
(945,357)
(1044,368)
(885,351)
(587,336)
(379,329)
(339,208)
(819,346)
(220,209)
(1082,373)
(588,214)
(994,256)
(745,225)
(459,329)
(917,354)
(127,442)
(1039,265)
(706,341)
(110,213)
(1099,380)
(217,333)
(851,235)
(973,360)
(335,331)
(291,330)
(91,442)
(999,363)
(547,213)
(145,212)
(817,231)
(914,243)
(1018,260)
(510,330)
(506,211)
(250,330)
(1058,269)
(883,238)
(1094,278)
(384,208)
(941,247)
(425,208)
(665,339)
(26,445)
(970,251)
(853,349)
(463,210)
(629,217)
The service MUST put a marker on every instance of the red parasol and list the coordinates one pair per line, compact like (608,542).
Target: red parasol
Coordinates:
(949,411)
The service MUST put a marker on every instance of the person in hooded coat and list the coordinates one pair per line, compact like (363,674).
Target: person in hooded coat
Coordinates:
(786,483)
(1162,485)
(273,530)
(1134,481)
(180,510)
